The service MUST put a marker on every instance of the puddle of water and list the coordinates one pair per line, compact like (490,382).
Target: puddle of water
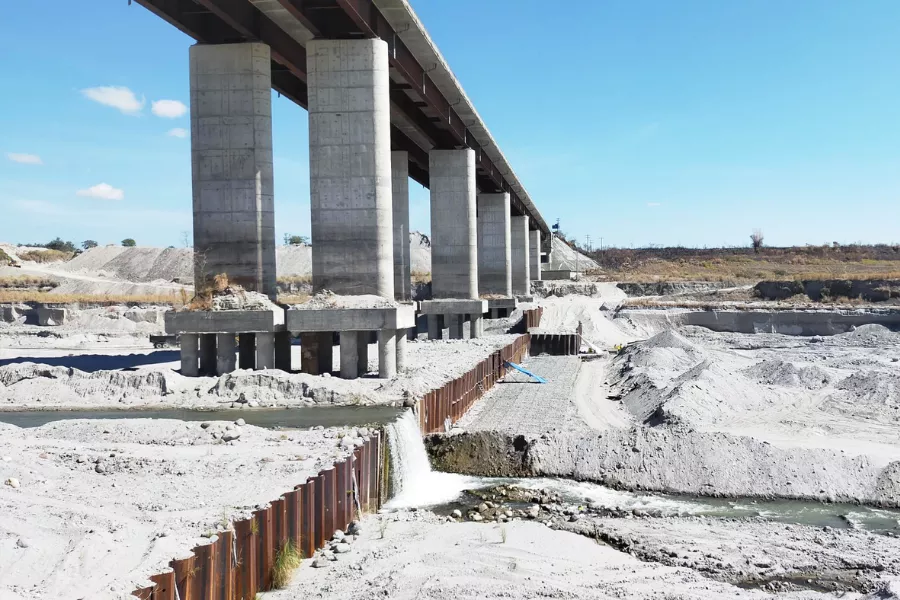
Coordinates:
(271,418)
(794,512)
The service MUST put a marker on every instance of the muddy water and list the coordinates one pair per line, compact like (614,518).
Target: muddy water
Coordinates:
(271,418)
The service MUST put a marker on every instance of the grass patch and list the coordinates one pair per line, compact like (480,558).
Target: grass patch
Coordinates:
(45,256)
(27,281)
(287,560)
(99,299)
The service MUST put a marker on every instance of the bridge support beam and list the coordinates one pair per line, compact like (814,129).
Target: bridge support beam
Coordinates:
(231,165)
(494,250)
(521,272)
(350,166)
(400,193)
(534,248)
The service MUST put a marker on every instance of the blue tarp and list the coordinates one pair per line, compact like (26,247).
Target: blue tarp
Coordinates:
(522,369)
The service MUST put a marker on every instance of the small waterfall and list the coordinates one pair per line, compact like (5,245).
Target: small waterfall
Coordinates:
(409,460)
(413,482)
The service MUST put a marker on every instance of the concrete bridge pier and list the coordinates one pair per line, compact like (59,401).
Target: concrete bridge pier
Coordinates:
(233,201)
(534,248)
(353,204)
(494,250)
(521,272)
(454,241)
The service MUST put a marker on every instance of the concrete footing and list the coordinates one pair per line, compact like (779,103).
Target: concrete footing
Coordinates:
(454,314)
(217,338)
(500,308)
(354,326)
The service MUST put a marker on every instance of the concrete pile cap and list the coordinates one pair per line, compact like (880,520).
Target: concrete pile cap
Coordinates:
(454,307)
(329,300)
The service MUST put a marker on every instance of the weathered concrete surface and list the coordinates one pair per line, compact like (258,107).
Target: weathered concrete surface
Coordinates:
(400,195)
(521,269)
(224,321)
(350,166)
(454,233)
(453,307)
(231,165)
(351,319)
(494,250)
(51,316)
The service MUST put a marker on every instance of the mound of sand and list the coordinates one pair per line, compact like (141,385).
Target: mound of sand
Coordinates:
(779,372)
(563,257)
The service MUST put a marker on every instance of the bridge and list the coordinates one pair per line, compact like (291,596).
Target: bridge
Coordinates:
(384,107)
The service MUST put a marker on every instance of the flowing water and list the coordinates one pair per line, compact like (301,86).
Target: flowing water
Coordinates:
(414,483)
(272,418)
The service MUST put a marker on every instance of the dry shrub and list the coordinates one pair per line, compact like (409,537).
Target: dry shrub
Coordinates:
(295,279)
(420,277)
(45,256)
(102,299)
(220,282)
(293,298)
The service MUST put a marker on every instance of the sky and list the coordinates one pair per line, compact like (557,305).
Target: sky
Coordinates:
(644,122)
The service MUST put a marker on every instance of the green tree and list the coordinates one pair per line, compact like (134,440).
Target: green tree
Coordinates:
(129,243)
(59,244)
(295,240)
(88,244)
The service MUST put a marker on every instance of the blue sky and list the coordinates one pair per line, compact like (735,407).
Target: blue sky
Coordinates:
(645,122)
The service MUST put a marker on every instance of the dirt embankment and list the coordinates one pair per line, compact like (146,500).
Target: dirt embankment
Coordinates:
(818,290)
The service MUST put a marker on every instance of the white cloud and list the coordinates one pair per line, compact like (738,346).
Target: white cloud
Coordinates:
(103,191)
(25,159)
(118,97)
(178,132)
(654,204)
(168,109)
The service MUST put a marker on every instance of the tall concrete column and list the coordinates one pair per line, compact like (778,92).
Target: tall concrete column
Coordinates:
(265,350)
(349,355)
(534,249)
(231,165)
(454,234)
(387,353)
(190,350)
(521,282)
(434,327)
(400,194)
(225,353)
(350,166)
(208,353)
(494,253)
(247,350)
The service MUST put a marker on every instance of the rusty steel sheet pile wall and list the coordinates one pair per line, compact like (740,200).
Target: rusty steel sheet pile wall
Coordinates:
(530,318)
(456,397)
(239,563)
